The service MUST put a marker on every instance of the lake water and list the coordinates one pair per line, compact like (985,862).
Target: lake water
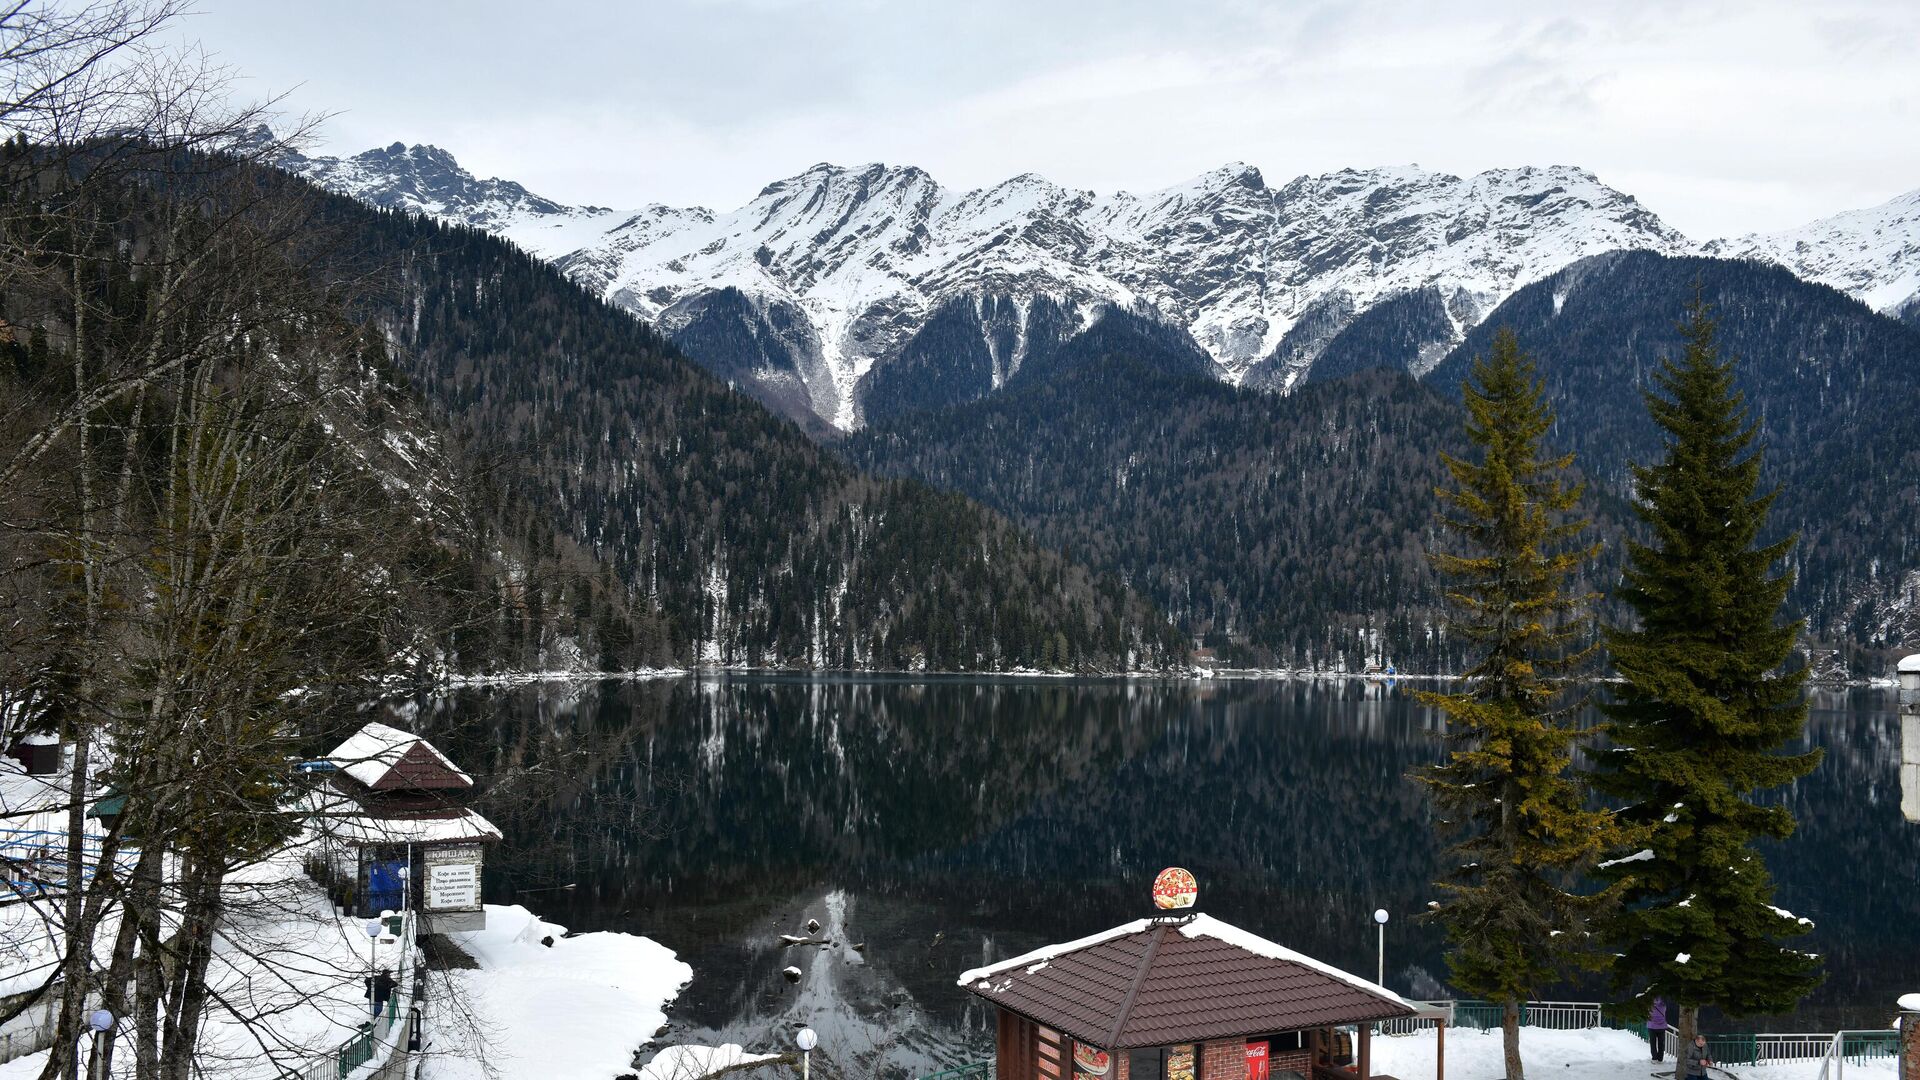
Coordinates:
(945,823)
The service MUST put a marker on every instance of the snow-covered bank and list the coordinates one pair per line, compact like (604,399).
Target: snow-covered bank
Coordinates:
(542,1004)
(694,1062)
(525,678)
(1592,1054)
(288,975)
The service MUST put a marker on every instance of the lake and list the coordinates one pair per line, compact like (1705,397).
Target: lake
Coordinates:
(942,823)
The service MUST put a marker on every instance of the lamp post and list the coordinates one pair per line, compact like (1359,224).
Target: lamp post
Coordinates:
(98,1021)
(1380,916)
(373,957)
(806,1040)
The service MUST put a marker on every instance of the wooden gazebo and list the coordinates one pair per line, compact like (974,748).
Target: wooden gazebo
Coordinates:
(1184,997)
(395,833)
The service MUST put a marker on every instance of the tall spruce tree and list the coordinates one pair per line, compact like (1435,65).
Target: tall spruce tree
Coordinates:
(1511,909)
(1706,710)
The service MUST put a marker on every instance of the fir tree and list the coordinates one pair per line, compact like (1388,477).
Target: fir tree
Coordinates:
(1704,713)
(1512,915)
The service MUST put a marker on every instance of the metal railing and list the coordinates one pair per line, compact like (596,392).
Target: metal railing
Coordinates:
(376,1041)
(1486,1016)
(1835,1050)
(33,862)
(1858,1047)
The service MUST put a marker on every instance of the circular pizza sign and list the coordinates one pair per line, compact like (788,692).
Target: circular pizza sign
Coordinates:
(1175,888)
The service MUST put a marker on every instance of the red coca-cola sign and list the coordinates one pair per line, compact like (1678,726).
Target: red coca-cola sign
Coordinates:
(1256,1061)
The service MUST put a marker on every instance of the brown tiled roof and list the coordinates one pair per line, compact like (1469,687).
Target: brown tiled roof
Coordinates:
(1157,985)
(421,768)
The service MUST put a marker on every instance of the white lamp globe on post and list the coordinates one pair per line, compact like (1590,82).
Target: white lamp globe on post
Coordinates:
(98,1021)
(1380,917)
(373,957)
(806,1040)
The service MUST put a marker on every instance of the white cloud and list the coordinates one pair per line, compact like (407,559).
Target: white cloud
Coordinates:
(1722,116)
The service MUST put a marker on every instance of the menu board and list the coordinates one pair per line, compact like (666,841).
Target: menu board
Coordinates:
(453,877)
(1180,1062)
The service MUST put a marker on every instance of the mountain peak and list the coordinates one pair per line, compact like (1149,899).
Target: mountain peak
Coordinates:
(847,265)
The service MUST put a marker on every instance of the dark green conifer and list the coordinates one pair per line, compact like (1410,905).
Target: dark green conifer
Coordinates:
(1513,914)
(1700,723)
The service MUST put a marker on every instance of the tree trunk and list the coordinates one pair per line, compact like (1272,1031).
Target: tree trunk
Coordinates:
(200,921)
(77,936)
(1683,1034)
(1510,1035)
(135,911)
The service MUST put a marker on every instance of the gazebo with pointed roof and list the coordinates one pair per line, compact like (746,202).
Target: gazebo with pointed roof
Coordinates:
(392,818)
(1185,997)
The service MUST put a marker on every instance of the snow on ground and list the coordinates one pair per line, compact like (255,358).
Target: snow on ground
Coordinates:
(1593,1054)
(693,1062)
(286,972)
(579,1007)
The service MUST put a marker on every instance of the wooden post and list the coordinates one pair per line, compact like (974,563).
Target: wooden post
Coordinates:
(1366,1052)
(1440,1050)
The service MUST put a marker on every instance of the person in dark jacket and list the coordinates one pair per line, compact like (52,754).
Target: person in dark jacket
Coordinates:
(1657,1028)
(379,989)
(1697,1060)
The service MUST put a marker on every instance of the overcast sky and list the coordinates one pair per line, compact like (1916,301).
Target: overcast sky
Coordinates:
(1723,117)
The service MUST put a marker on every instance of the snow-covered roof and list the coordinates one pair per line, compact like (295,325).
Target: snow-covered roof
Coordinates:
(1200,925)
(1207,926)
(1048,952)
(339,817)
(1159,981)
(1910,662)
(382,756)
(1910,1003)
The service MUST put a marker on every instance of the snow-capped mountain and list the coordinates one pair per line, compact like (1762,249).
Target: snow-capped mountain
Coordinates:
(1873,254)
(809,294)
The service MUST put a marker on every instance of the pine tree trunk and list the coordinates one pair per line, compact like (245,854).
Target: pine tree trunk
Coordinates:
(1683,1039)
(1510,1034)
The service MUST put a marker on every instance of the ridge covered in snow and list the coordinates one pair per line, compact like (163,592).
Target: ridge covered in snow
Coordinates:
(830,274)
(1872,254)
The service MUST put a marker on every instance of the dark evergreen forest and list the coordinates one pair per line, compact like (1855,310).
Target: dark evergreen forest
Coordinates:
(1291,530)
(738,539)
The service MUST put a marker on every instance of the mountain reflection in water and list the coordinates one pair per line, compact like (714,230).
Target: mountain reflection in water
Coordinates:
(944,823)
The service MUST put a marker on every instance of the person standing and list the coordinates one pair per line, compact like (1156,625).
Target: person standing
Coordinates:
(1657,1028)
(1697,1060)
(379,989)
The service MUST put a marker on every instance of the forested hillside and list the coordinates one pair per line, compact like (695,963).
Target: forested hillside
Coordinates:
(1286,530)
(1830,382)
(749,543)
(1277,529)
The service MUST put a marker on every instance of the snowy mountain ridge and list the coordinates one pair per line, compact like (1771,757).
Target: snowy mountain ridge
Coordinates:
(827,276)
(1872,254)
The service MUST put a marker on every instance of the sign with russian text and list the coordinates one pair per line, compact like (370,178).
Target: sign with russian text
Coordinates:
(453,886)
(1174,889)
(453,877)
